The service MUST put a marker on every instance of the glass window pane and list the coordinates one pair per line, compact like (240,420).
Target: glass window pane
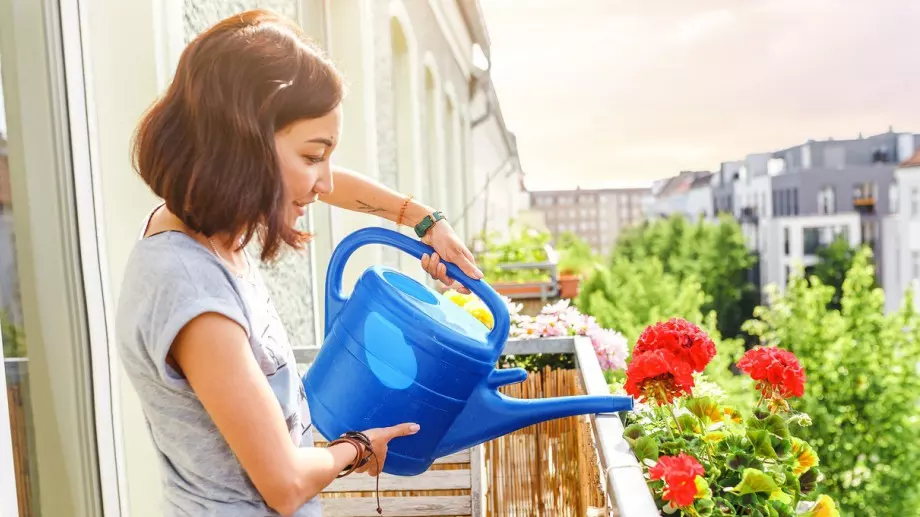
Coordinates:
(15,346)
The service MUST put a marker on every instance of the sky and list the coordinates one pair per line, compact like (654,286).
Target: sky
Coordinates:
(620,93)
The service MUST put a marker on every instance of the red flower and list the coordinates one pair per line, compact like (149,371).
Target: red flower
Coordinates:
(679,474)
(777,371)
(684,339)
(658,375)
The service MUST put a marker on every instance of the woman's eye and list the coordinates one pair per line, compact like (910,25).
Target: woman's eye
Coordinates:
(313,159)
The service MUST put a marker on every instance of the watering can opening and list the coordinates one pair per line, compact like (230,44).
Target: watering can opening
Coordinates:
(410,287)
(428,304)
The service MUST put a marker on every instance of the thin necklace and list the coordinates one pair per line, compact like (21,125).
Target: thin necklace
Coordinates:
(229,265)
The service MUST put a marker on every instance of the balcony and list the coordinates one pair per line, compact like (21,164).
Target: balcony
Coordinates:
(572,466)
(749,215)
(864,204)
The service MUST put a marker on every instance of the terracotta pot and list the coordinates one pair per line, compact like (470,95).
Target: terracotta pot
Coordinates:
(568,285)
(514,289)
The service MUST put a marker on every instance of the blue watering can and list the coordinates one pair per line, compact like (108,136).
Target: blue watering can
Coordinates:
(397,351)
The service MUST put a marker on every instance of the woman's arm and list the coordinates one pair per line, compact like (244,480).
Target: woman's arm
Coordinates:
(354,191)
(213,353)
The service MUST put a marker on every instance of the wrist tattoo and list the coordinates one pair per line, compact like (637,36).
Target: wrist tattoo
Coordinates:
(364,207)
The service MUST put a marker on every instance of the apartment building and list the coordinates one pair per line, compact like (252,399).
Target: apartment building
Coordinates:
(793,201)
(689,193)
(901,235)
(597,216)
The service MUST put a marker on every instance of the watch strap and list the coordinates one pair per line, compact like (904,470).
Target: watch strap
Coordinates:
(427,222)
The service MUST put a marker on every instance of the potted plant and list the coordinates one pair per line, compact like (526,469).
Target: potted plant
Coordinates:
(703,457)
(576,258)
(522,248)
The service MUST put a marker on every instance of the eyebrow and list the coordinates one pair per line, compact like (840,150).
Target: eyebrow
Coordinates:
(325,141)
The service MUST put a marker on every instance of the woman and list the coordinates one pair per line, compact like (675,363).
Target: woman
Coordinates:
(237,148)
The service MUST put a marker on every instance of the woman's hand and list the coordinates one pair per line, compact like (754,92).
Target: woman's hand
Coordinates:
(448,246)
(380,440)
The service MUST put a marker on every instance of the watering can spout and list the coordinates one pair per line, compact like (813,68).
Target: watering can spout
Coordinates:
(489,413)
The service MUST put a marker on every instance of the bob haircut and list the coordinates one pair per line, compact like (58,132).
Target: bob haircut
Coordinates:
(207,146)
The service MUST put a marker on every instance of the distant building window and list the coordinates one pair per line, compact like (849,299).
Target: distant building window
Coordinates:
(776,166)
(827,202)
(914,202)
(786,240)
(795,201)
(893,198)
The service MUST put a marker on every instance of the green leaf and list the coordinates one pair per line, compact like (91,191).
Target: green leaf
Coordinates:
(754,481)
(705,408)
(634,431)
(809,480)
(689,424)
(760,438)
(782,447)
(646,448)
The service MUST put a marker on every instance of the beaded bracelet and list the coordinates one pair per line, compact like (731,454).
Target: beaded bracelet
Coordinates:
(402,211)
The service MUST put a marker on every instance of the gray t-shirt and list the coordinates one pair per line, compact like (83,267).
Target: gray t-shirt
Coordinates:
(169,280)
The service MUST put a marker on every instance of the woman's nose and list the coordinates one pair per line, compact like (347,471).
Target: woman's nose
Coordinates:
(324,182)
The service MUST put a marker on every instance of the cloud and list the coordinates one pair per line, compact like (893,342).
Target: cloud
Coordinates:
(701,25)
(640,90)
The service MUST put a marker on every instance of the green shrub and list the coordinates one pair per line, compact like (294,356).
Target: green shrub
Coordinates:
(862,390)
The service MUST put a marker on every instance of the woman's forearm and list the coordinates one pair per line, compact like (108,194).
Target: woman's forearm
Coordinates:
(316,468)
(354,191)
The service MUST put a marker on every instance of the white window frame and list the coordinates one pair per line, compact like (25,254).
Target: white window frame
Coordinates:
(52,163)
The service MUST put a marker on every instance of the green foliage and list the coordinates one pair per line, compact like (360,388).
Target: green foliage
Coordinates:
(714,254)
(633,294)
(575,255)
(862,388)
(752,466)
(834,262)
(14,338)
(524,245)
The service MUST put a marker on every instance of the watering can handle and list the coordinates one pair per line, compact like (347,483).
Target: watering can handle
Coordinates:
(365,236)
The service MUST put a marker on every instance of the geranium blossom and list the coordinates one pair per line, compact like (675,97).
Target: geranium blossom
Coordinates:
(682,338)
(658,375)
(680,475)
(777,371)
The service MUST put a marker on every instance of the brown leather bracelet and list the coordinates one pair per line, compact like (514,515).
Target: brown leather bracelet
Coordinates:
(359,449)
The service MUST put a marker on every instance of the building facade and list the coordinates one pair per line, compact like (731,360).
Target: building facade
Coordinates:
(596,216)
(901,236)
(811,192)
(421,116)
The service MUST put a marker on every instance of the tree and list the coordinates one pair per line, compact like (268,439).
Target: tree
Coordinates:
(862,386)
(834,262)
(632,294)
(714,254)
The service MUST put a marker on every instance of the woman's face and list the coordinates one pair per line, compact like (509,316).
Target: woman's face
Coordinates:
(304,149)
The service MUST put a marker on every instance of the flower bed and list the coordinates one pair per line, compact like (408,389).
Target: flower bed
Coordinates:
(704,458)
(559,319)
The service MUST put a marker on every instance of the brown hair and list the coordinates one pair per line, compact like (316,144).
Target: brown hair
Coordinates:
(207,147)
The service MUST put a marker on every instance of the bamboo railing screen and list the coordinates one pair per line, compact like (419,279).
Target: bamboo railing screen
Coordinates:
(548,469)
(18,430)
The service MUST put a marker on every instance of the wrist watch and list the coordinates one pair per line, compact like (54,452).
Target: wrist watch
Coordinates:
(422,228)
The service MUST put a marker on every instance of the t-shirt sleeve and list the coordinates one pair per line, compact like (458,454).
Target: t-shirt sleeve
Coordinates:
(186,287)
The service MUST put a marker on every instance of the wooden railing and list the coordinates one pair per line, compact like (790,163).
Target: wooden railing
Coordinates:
(17,396)
(624,486)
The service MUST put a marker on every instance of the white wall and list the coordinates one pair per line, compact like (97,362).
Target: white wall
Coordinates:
(774,256)
(906,234)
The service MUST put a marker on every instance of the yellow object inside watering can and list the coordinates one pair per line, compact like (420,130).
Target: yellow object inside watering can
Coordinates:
(473,305)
